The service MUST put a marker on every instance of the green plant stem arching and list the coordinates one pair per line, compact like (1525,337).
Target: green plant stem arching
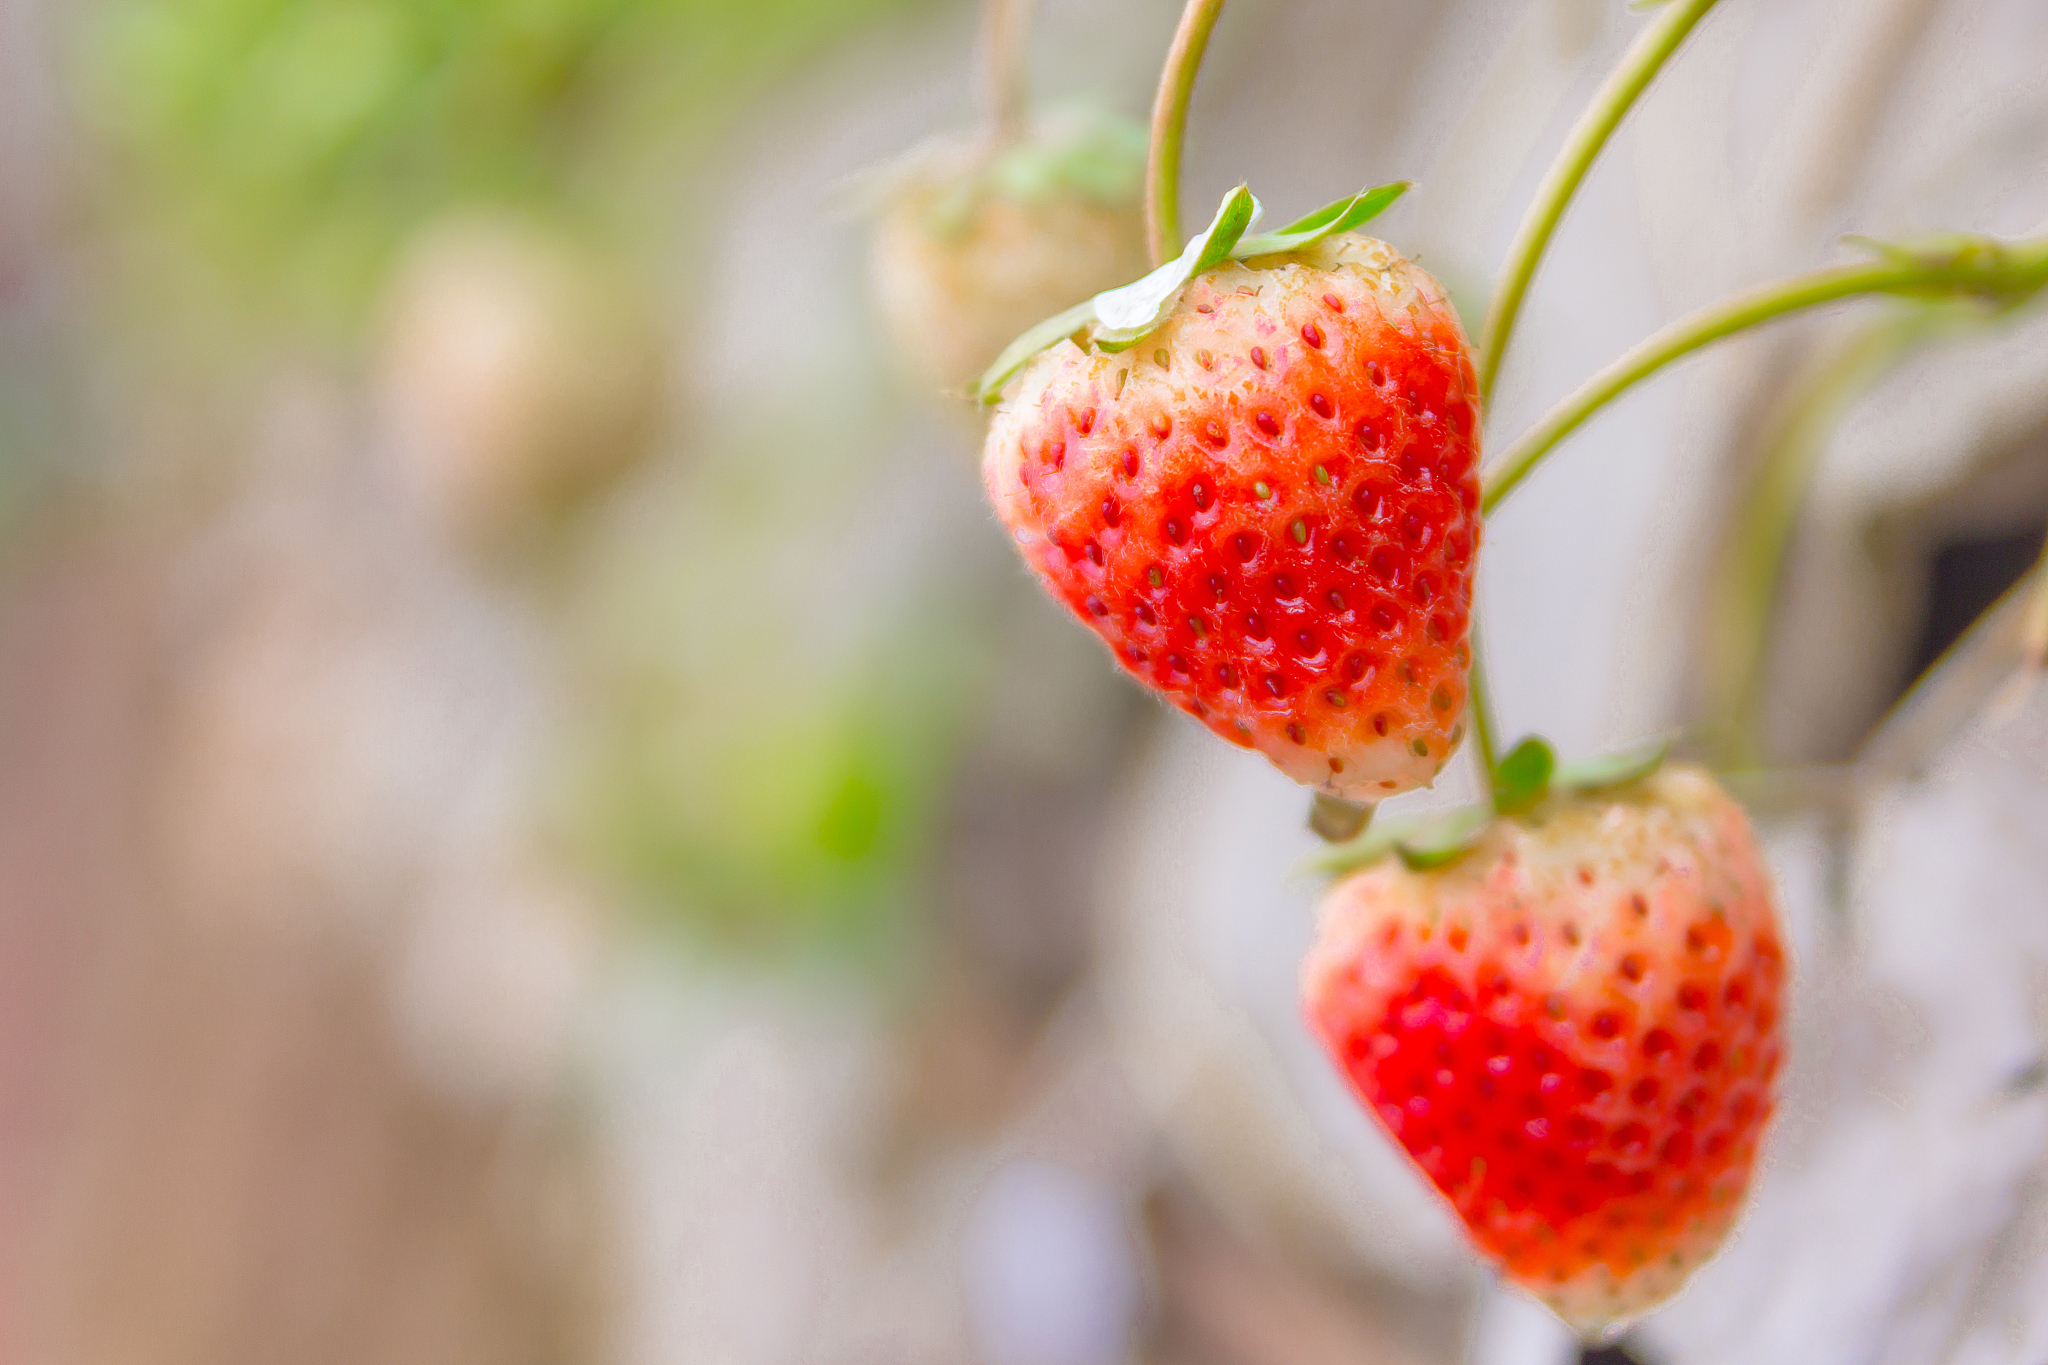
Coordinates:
(1170,126)
(1485,733)
(2003,273)
(1750,562)
(1644,60)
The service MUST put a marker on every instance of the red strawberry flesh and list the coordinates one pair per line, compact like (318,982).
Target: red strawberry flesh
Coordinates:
(1268,508)
(1574,1032)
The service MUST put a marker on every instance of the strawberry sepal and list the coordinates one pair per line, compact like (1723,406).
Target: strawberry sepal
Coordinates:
(1523,780)
(1124,316)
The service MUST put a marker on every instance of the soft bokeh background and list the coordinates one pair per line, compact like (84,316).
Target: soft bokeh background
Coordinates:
(540,820)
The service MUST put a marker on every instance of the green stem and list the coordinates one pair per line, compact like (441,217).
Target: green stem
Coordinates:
(1644,60)
(1752,555)
(1484,732)
(1170,127)
(2004,273)
(1005,92)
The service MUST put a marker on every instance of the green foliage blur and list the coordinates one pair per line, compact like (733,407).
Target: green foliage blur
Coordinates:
(266,164)
(284,147)
(775,713)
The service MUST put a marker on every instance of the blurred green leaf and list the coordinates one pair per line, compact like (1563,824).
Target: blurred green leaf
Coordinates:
(285,147)
(1521,779)
(1616,769)
(775,718)
(1445,839)
(1424,841)
(1089,152)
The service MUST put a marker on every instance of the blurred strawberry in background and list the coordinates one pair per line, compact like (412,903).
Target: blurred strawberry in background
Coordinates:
(514,374)
(976,242)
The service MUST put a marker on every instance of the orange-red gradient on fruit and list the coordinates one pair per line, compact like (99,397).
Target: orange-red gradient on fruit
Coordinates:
(1269,508)
(1575,1032)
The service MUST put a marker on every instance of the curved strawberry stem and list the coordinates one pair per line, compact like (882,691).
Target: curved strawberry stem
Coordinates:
(1170,126)
(2005,274)
(1485,733)
(1752,554)
(1005,93)
(1574,159)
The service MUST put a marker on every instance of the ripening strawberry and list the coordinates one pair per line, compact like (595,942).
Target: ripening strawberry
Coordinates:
(1269,507)
(517,376)
(1575,1031)
(975,244)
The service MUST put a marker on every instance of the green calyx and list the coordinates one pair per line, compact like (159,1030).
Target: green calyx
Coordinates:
(1080,153)
(1118,319)
(1608,771)
(1524,778)
(1097,157)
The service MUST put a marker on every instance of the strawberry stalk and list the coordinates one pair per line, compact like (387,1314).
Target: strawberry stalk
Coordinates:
(1752,557)
(2003,274)
(1582,146)
(1005,92)
(1170,126)
(1485,734)
(1562,181)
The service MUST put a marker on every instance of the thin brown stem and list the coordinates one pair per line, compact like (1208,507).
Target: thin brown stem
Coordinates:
(1005,87)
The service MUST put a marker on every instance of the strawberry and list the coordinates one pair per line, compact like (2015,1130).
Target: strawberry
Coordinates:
(517,377)
(1266,503)
(975,242)
(1574,1030)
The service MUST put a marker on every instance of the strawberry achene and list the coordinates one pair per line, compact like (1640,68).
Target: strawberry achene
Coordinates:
(1575,1032)
(1268,508)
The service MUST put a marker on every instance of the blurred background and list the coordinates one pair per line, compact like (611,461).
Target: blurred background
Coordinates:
(541,820)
